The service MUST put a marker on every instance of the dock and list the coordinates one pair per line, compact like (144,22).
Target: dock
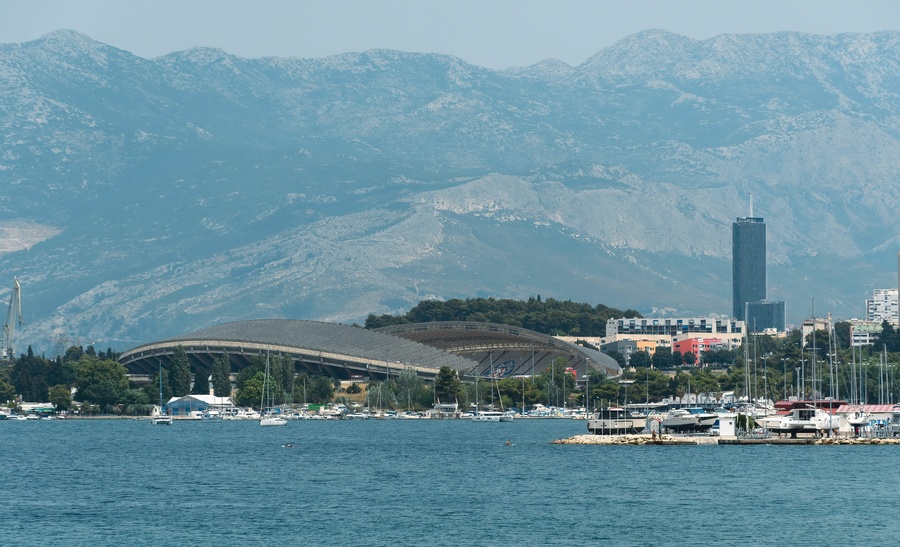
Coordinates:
(696,440)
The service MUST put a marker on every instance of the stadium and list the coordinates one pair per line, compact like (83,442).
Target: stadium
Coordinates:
(345,352)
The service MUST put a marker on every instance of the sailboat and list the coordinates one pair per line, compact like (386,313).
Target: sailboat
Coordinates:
(162,419)
(268,419)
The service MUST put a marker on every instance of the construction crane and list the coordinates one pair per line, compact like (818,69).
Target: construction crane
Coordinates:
(12,317)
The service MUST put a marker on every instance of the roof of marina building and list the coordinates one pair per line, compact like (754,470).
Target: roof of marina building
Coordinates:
(347,352)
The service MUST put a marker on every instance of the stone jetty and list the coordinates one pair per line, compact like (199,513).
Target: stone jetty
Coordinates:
(675,440)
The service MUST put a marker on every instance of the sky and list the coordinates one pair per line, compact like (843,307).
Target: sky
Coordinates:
(492,33)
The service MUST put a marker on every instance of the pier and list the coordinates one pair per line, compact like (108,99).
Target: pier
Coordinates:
(696,440)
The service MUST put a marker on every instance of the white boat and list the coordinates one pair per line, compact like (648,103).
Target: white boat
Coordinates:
(807,419)
(269,419)
(242,414)
(616,421)
(859,418)
(680,419)
(508,416)
(487,416)
(162,418)
(705,420)
(212,415)
(272,419)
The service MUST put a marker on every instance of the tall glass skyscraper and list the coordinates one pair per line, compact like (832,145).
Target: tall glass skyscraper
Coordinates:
(748,263)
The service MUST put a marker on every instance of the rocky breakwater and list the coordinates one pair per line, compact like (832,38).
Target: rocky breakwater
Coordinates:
(634,440)
(858,440)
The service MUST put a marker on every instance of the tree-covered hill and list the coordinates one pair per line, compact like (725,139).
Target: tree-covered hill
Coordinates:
(555,317)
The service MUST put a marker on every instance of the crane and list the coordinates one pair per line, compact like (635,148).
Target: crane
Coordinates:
(12,317)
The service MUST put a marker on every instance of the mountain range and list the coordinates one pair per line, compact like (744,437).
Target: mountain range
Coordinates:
(143,198)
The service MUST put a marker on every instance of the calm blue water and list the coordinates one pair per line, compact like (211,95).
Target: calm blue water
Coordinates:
(418,482)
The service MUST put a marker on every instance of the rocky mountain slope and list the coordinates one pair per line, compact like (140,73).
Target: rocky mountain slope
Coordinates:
(140,198)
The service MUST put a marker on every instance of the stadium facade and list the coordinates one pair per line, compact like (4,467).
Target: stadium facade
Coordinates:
(347,352)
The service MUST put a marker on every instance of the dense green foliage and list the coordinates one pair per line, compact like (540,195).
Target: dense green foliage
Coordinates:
(102,383)
(221,376)
(180,373)
(447,386)
(545,316)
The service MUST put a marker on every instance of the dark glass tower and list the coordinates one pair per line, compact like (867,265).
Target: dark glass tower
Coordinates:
(748,263)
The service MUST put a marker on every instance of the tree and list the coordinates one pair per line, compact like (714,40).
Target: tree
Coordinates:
(689,358)
(639,359)
(282,371)
(381,395)
(320,390)
(7,392)
(252,392)
(180,373)
(447,386)
(842,333)
(61,397)
(408,386)
(100,382)
(152,389)
(662,358)
(888,338)
(137,401)
(201,381)
(221,376)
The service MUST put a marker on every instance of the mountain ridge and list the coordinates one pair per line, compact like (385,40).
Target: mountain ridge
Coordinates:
(166,194)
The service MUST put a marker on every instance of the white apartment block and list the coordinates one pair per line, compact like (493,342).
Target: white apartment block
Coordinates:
(882,306)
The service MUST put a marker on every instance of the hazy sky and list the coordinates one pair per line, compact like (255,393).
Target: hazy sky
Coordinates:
(492,33)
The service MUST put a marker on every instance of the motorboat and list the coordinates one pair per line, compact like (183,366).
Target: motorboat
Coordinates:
(680,419)
(801,419)
(487,416)
(615,421)
(212,415)
(705,420)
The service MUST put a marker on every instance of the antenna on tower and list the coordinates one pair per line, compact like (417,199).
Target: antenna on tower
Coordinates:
(751,204)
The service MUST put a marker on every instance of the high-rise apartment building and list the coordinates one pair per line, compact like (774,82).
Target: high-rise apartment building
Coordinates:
(748,263)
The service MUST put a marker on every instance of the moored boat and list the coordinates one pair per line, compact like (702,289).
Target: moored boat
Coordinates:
(802,418)
(616,421)
(487,416)
(680,419)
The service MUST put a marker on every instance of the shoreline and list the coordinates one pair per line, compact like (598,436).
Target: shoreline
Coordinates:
(684,440)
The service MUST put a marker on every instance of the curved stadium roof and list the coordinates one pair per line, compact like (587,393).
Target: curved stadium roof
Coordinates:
(315,345)
(344,352)
(492,343)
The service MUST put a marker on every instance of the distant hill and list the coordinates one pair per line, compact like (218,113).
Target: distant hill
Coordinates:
(141,198)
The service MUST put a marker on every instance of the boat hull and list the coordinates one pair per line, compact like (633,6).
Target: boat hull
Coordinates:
(616,426)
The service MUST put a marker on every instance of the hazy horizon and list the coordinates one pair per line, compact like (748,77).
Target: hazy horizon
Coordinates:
(496,34)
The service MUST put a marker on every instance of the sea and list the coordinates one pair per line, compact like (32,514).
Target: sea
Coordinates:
(427,482)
